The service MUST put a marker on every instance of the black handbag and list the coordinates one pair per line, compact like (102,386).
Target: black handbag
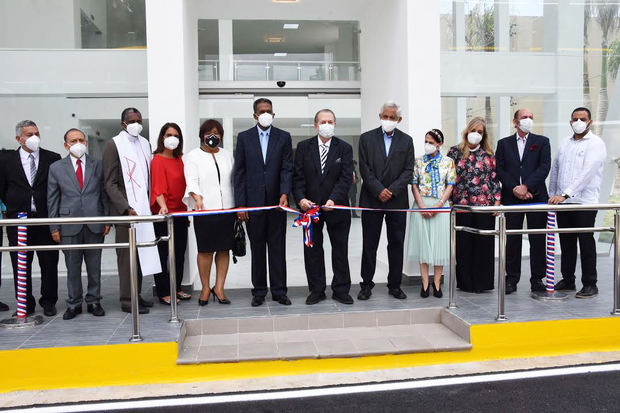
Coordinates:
(238,249)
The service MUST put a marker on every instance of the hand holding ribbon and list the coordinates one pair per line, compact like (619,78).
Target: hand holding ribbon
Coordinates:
(305,221)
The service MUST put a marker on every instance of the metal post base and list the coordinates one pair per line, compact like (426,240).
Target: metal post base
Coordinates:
(16,323)
(546,296)
(452,307)
(615,312)
(137,338)
(175,320)
(501,318)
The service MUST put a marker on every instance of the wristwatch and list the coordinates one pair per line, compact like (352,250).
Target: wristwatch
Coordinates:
(565,196)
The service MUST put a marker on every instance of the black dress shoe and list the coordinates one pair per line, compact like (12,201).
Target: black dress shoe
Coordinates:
(364,294)
(538,286)
(510,288)
(424,293)
(95,309)
(256,301)
(3,307)
(564,285)
(397,293)
(141,309)
(588,291)
(437,293)
(282,299)
(144,303)
(49,310)
(343,298)
(315,297)
(71,313)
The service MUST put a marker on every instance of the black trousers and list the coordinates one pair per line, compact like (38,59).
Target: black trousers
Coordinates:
(122,261)
(162,280)
(587,246)
(537,246)
(267,234)
(48,262)
(338,226)
(395,223)
(475,254)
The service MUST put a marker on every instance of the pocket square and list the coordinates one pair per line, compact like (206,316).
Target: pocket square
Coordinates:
(338,160)
(533,147)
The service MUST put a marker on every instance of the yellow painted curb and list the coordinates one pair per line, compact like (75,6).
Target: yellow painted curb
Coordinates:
(152,363)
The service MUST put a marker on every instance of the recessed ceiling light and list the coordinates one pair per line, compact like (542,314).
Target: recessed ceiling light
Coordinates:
(285,1)
(274,39)
(307,125)
(279,54)
(291,26)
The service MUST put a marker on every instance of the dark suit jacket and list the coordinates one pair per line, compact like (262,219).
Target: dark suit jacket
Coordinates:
(113,180)
(334,183)
(258,182)
(65,199)
(532,169)
(379,171)
(15,190)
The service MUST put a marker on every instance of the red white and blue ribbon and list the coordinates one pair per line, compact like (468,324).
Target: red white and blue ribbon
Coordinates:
(22,269)
(550,282)
(305,221)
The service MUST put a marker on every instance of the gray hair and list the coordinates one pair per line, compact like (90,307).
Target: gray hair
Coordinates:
(316,117)
(74,130)
(21,125)
(391,104)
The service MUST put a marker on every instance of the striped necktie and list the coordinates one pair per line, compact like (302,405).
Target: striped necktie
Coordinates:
(33,169)
(323,157)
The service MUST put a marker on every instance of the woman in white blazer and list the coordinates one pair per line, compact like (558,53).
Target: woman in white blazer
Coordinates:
(208,174)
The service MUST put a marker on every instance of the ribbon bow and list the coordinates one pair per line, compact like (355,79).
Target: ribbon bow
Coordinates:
(305,221)
(432,168)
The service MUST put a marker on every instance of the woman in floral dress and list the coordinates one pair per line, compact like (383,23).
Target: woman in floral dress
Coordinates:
(477,185)
(433,178)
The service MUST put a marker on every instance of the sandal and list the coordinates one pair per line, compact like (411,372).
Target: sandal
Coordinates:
(182,295)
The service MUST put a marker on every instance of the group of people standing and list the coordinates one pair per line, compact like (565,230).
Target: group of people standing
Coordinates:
(133,180)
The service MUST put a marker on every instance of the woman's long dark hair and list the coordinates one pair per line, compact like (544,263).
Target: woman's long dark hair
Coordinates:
(178,152)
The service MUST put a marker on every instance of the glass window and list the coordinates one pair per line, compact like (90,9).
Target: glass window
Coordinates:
(208,49)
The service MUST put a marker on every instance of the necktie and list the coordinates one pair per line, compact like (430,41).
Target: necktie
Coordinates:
(80,175)
(323,157)
(264,141)
(33,169)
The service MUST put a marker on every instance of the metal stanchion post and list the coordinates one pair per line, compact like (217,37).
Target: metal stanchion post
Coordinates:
(133,276)
(501,270)
(174,311)
(616,309)
(452,284)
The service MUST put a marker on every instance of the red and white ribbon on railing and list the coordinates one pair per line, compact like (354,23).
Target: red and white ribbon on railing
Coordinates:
(550,281)
(305,221)
(22,269)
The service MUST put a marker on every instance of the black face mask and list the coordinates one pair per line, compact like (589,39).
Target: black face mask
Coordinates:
(212,141)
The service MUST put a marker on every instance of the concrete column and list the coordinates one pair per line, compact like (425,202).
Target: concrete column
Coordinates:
(172,72)
(227,124)
(502,26)
(461,119)
(225,35)
(172,67)
(458,13)
(503,117)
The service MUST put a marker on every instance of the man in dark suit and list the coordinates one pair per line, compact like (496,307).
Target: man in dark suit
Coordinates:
(75,189)
(523,163)
(23,188)
(386,166)
(262,177)
(322,176)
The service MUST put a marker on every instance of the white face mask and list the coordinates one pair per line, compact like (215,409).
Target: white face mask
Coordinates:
(326,130)
(171,142)
(526,124)
(265,119)
(33,142)
(134,129)
(388,125)
(429,148)
(77,149)
(579,127)
(474,138)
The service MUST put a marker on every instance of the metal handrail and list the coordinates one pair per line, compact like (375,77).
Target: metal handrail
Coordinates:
(502,232)
(132,244)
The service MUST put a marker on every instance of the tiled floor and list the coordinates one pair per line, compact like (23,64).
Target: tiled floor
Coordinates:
(115,327)
(338,334)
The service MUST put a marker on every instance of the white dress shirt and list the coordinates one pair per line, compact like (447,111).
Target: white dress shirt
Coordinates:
(521,142)
(24,156)
(577,169)
(83,161)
